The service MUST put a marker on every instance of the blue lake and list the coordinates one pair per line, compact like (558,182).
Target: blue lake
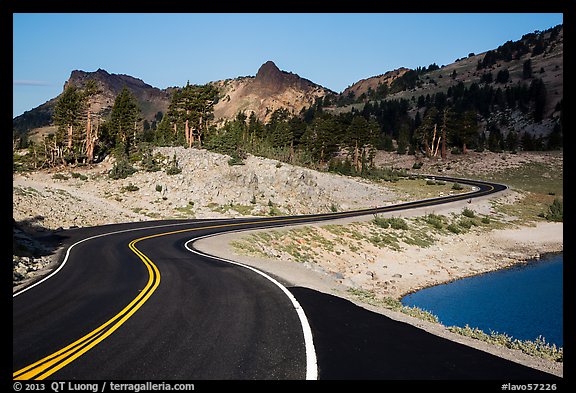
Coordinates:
(523,302)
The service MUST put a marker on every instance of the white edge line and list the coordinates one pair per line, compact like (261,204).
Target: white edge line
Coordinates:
(311,361)
(90,238)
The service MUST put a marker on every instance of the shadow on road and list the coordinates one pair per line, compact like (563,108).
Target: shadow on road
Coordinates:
(354,343)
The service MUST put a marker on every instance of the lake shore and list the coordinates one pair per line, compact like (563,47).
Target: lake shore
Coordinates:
(409,269)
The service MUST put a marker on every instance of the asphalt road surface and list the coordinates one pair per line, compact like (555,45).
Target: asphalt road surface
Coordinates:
(131,302)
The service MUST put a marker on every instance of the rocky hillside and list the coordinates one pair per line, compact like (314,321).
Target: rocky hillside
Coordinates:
(206,187)
(150,99)
(364,86)
(269,90)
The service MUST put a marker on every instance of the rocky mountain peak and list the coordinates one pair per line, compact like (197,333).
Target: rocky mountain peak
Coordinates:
(268,70)
(269,90)
(270,78)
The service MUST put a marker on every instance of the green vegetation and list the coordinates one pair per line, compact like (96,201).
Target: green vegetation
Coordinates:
(173,167)
(393,304)
(188,210)
(415,187)
(150,162)
(121,169)
(534,177)
(532,207)
(454,228)
(555,211)
(59,176)
(76,175)
(435,221)
(242,209)
(539,347)
(393,233)
(130,188)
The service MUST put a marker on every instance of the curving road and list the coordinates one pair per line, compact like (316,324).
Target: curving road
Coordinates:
(130,301)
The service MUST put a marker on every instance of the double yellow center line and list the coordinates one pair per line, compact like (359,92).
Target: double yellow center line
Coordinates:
(52,363)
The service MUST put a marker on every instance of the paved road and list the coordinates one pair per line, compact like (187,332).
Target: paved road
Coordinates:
(131,301)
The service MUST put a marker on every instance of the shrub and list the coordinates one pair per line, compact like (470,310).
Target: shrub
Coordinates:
(393,222)
(158,187)
(149,163)
(274,211)
(381,222)
(235,160)
(431,182)
(453,228)
(173,170)
(121,170)
(174,167)
(417,165)
(419,313)
(131,187)
(435,221)
(555,211)
(398,223)
(457,186)
(539,347)
(76,175)
(468,213)
(59,176)
(485,220)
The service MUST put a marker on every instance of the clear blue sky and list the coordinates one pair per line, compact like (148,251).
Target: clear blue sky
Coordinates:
(333,50)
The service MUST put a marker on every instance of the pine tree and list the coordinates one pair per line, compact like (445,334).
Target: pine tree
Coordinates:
(424,134)
(321,137)
(527,69)
(538,95)
(68,112)
(191,109)
(124,118)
